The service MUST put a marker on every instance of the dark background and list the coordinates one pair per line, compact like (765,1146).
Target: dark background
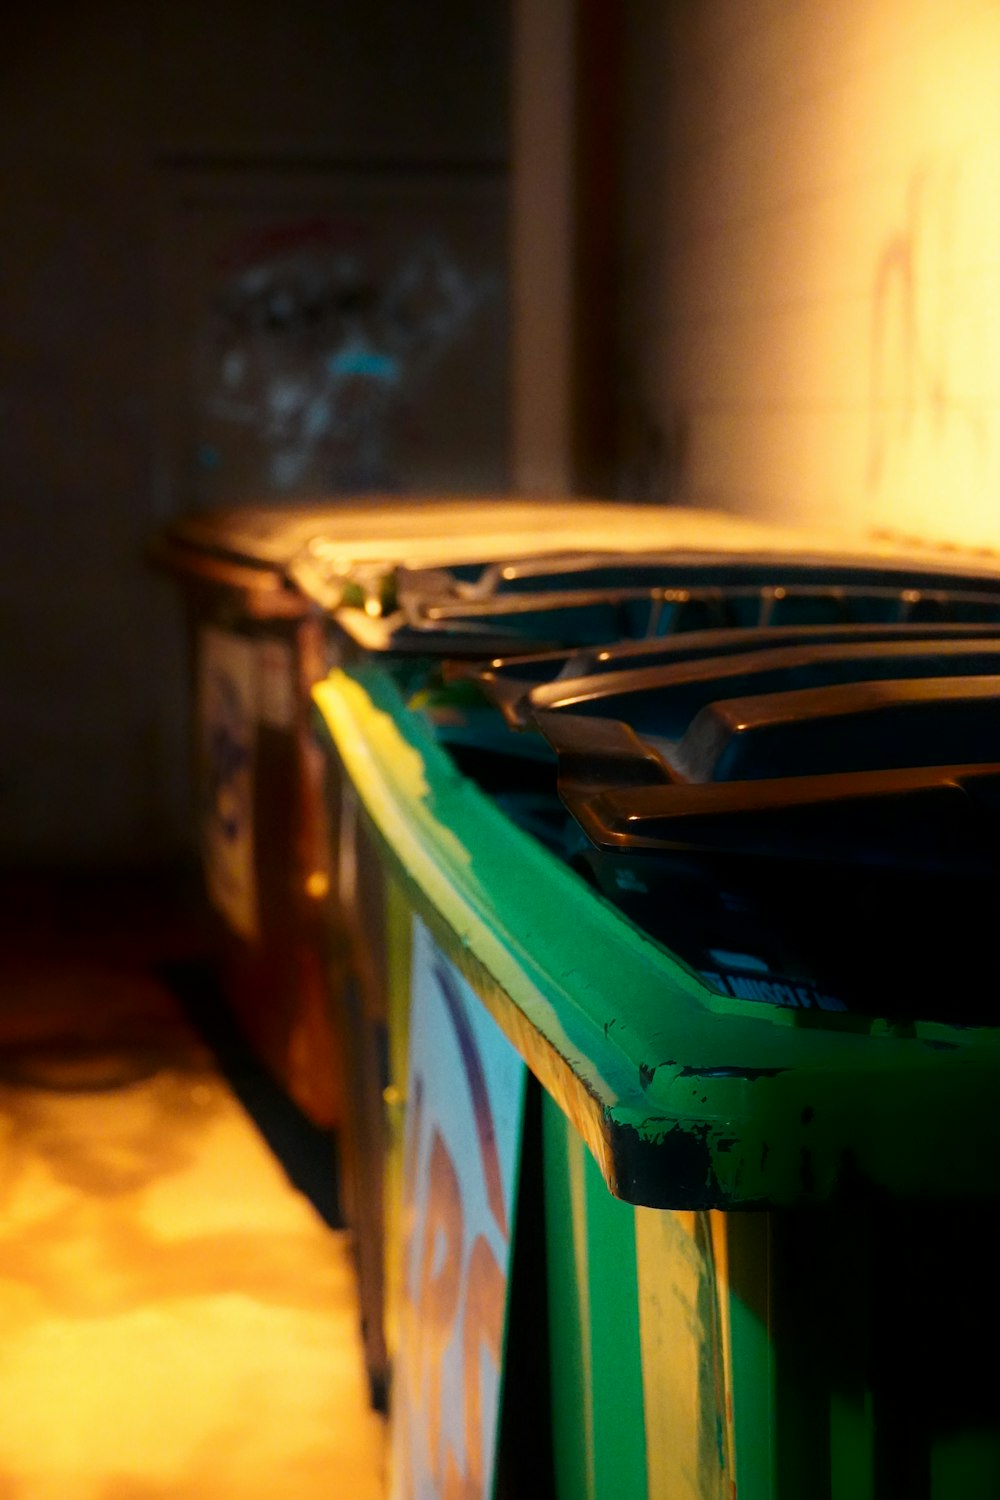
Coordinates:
(148,152)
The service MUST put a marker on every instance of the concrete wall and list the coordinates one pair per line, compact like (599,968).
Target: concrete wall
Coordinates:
(105,108)
(811,275)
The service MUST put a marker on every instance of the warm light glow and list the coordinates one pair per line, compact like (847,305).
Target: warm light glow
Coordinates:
(317,885)
(176,1318)
(820,249)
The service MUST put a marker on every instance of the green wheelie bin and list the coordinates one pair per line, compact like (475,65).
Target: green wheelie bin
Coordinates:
(720,1197)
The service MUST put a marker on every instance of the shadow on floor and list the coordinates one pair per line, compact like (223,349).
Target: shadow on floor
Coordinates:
(306,1152)
(112,970)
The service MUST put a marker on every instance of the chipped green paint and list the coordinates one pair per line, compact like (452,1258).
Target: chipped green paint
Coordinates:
(685,1098)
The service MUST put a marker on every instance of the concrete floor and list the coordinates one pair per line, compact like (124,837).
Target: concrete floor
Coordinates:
(177,1321)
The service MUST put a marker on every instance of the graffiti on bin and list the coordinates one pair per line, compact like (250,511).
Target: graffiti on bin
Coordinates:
(227,723)
(466,1094)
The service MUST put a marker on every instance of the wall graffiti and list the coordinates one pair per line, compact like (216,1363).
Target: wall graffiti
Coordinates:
(920,407)
(317,347)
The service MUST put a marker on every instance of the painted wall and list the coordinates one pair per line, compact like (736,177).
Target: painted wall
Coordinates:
(810,327)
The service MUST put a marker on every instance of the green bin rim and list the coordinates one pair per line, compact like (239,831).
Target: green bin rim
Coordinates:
(687,1099)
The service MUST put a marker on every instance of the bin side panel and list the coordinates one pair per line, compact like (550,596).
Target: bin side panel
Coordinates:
(752,1354)
(686,1353)
(399,930)
(465,1102)
(597,1396)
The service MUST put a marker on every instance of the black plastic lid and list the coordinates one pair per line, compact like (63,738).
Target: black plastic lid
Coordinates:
(827,751)
(923,817)
(473,582)
(522,685)
(662,700)
(582,617)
